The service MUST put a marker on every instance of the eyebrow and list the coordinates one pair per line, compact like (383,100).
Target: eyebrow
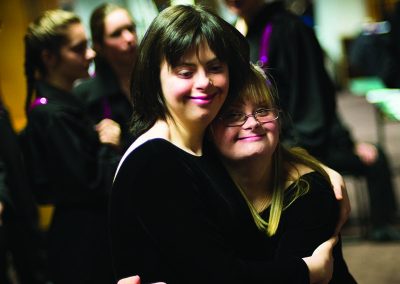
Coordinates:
(188,63)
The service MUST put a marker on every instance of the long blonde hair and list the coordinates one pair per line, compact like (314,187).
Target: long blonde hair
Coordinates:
(260,90)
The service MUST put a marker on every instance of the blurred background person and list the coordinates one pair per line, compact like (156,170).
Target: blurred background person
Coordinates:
(69,158)
(288,49)
(20,237)
(106,95)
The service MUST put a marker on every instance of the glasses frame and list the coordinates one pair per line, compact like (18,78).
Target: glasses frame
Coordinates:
(254,115)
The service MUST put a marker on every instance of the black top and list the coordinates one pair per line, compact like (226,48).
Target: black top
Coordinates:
(14,190)
(104,98)
(296,63)
(178,218)
(66,162)
(308,222)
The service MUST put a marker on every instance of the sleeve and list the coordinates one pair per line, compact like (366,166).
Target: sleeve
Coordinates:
(309,221)
(4,195)
(306,92)
(66,160)
(159,218)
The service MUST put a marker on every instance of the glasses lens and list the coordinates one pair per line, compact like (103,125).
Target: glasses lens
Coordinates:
(233,118)
(266,115)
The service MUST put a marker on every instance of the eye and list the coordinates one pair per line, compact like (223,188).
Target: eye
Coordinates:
(232,116)
(216,68)
(263,112)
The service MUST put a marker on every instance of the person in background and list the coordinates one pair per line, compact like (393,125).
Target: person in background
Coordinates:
(70,160)
(286,189)
(106,94)
(175,214)
(19,231)
(283,45)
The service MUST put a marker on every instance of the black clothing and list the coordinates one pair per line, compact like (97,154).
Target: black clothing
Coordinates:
(104,98)
(309,221)
(69,168)
(307,96)
(19,233)
(179,218)
(295,62)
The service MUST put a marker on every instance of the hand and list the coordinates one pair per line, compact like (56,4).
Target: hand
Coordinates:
(134,280)
(130,280)
(367,152)
(339,187)
(109,132)
(320,263)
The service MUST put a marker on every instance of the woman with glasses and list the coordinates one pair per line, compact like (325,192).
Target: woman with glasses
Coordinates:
(287,191)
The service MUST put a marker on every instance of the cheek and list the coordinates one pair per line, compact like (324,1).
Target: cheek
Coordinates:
(223,139)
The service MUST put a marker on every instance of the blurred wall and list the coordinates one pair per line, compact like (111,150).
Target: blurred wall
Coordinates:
(15,16)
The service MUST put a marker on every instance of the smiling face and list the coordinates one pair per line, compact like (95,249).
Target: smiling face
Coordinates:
(195,89)
(252,139)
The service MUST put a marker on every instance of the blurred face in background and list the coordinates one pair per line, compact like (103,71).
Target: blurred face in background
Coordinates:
(244,8)
(120,39)
(74,57)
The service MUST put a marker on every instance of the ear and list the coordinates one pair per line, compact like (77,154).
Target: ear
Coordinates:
(49,59)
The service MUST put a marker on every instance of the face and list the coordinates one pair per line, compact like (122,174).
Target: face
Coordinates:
(74,56)
(243,8)
(252,139)
(196,88)
(120,40)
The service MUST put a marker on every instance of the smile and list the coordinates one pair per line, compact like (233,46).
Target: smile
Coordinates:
(256,137)
(203,99)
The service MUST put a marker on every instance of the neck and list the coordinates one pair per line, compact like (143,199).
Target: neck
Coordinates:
(123,73)
(188,140)
(59,82)
(254,177)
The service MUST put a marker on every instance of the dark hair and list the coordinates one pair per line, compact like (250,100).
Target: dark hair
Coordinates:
(173,32)
(47,32)
(97,18)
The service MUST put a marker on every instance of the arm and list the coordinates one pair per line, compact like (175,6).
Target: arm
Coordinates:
(339,188)
(308,222)
(165,227)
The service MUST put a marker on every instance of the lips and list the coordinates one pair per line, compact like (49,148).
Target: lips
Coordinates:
(252,137)
(203,99)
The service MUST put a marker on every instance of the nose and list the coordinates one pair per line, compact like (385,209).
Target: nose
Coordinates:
(90,53)
(251,122)
(203,81)
(128,36)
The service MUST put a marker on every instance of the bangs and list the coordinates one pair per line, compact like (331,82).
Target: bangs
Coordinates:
(188,34)
(259,90)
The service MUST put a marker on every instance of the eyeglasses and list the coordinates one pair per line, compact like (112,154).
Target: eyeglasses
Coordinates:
(261,115)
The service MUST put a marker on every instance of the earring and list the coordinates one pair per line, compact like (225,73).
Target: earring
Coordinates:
(211,82)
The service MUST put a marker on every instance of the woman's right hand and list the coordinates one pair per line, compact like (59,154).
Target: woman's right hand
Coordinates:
(320,263)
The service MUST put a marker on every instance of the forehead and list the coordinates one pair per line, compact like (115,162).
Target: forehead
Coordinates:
(74,34)
(116,19)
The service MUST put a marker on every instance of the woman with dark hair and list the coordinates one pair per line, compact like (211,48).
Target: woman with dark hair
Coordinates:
(106,94)
(70,164)
(176,216)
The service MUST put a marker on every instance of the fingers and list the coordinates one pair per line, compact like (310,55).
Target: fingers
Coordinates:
(109,132)
(367,153)
(130,280)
